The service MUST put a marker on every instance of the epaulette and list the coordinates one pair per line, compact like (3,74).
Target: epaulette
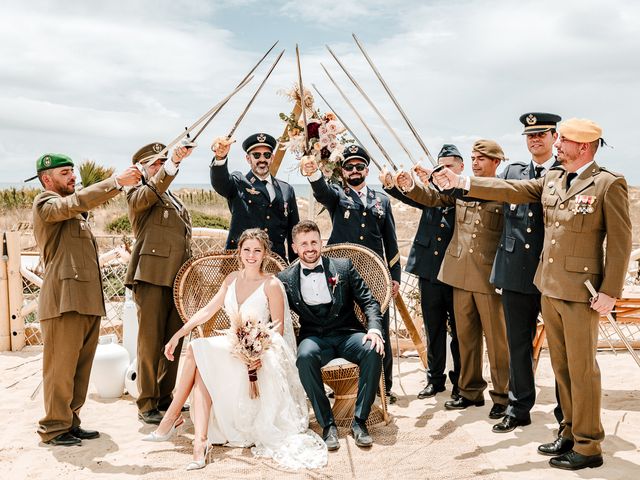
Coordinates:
(615,174)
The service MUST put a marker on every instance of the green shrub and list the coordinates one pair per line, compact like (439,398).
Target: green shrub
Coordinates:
(121,224)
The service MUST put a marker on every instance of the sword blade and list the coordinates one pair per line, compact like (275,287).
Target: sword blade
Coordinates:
(302,106)
(246,109)
(375,109)
(364,124)
(241,82)
(394,100)
(344,123)
(213,111)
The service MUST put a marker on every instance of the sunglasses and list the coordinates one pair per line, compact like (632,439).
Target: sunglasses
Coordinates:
(358,166)
(257,155)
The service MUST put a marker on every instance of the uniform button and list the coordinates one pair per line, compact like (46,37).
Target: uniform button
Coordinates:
(362,225)
(153,250)
(364,214)
(479,207)
(167,204)
(75,276)
(473,235)
(528,230)
(471,250)
(435,253)
(553,241)
(106,189)
(531,214)
(439,239)
(561,206)
(557,224)
(477,222)
(497,210)
(551,260)
(249,202)
(527,246)
(266,229)
(442,225)
(269,205)
(586,269)
(361,237)
(268,217)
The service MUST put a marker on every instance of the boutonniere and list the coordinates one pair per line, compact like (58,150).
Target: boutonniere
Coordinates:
(333,282)
(286,209)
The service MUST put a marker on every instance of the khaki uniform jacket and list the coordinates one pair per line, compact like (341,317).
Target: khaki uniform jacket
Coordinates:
(72,280)
(162,232)
(469,257)
(577,222)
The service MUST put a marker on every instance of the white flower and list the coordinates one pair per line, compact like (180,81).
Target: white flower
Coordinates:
(332,127)
(323,130)
(324,140)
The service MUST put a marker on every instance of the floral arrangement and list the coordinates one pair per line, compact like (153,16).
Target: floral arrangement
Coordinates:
(249,339)
(327,139)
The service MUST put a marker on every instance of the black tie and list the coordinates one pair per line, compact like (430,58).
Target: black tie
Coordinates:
(539,170)
(316,269)
(570,178)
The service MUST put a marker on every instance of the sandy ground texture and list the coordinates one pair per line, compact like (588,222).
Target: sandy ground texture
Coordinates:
(423,441)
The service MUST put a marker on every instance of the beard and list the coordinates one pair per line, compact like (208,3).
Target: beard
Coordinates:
(354,182)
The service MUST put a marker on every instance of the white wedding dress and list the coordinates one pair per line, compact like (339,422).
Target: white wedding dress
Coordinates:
(276,423)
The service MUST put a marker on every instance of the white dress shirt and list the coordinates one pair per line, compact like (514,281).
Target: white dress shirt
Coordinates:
(313,287)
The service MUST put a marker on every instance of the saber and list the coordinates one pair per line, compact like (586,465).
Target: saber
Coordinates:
(246,109)
(302,105)
(384,121)
(353,108)
(615,325)
(395,102)
(241,81)
(343,123)
(213,111)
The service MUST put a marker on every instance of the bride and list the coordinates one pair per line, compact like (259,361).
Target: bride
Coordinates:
(275,423)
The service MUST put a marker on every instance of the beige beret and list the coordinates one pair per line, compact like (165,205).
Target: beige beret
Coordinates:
(580,130)
(489,148)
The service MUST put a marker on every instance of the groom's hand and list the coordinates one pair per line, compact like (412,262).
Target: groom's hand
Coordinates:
(376,342)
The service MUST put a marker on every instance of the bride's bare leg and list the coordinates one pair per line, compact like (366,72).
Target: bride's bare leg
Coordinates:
(201,409)
(183,389)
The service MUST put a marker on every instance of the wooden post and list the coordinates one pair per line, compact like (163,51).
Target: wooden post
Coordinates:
(5,325)
(15,291)
(277,158)
(411,328)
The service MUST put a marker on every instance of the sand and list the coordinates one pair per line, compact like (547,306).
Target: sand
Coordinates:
(423,441)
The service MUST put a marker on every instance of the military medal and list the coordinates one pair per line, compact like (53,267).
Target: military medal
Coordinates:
(513,206)
(165,214)
(347,213)
(584,204)
(252,190)
(82,226)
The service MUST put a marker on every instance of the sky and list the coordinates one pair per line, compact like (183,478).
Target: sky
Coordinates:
(97,80)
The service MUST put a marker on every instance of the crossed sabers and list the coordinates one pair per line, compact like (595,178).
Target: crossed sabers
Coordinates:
(184,139)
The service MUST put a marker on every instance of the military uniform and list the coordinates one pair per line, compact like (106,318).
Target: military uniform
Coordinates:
(162,228)
(71,302)
(577,220)
(513,271)
(364,221)
(436,298)
(250,203)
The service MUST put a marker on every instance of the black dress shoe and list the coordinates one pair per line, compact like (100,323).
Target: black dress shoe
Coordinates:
(497,411)
(559,446)
(462,403)
(83,434)
(509,424)
(430,391)
(575,461)
(64,440)
(455,392)
(330,437)
(361,434)
(153,417)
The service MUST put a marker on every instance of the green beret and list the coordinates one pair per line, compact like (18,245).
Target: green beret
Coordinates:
(148,151)
(49,161)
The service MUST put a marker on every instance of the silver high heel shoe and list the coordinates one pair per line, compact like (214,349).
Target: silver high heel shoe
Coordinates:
(154,437)
(199,464)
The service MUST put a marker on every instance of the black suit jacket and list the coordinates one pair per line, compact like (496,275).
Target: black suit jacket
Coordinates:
(371,224)
(522,238)
(432,237)
(349,289)
(250,207)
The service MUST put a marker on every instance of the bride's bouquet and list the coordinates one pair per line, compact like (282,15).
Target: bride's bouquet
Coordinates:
(250,338)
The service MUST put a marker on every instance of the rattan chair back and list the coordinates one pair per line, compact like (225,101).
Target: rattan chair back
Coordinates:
(201,277)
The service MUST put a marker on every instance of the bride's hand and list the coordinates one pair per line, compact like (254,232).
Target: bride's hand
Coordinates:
(170,347)
(255,365)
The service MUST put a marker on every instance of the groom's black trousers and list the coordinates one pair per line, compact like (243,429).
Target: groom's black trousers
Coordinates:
(315,352)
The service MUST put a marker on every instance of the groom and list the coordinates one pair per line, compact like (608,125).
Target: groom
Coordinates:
(322,291)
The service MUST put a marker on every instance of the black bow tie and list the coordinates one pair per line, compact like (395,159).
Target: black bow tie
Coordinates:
(316,269)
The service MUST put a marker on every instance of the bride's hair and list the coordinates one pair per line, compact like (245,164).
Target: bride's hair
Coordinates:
(262,237)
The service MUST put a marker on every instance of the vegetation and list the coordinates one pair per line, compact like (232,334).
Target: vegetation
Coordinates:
(90,172)
(11,198)
(121,224)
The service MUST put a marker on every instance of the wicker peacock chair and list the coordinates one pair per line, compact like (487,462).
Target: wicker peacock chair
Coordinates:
(340,374)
